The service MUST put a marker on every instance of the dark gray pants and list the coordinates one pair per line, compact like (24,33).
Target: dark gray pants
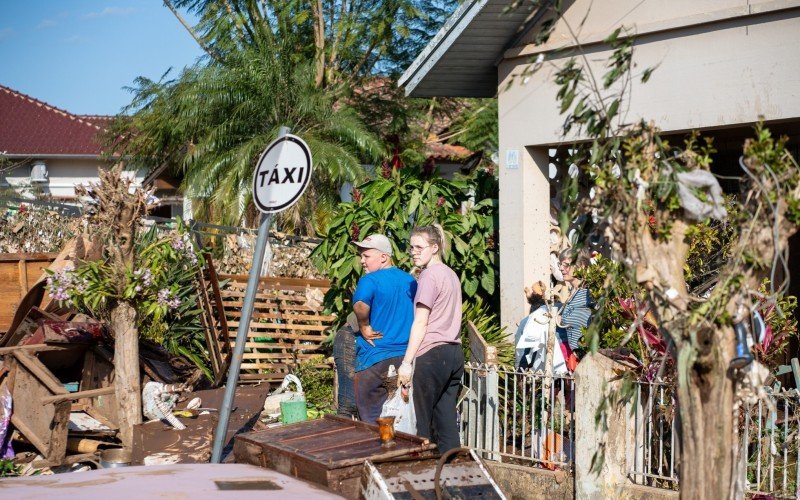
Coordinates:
(437,382)
(370,390)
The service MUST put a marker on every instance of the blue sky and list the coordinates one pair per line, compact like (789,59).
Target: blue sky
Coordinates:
(79,54)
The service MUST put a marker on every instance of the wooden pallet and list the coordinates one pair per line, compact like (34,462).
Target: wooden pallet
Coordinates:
(287,326)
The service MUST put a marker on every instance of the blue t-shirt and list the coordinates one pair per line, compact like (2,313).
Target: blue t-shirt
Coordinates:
(389,293)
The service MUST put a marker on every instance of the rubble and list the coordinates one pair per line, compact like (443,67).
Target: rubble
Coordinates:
(290,255)
(58,377)
(33,229)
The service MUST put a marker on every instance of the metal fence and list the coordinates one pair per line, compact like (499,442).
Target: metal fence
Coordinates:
(651,415)
(518,415)
(768,430)
(770,439)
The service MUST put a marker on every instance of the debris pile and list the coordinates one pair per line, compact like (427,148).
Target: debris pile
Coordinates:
(290,256)
(58,405)
(31,229)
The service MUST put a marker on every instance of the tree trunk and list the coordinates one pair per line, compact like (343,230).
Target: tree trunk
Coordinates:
(127,381)
(319,42)
(705,413)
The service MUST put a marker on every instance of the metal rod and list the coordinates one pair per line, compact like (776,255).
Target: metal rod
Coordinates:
(636,428)
(672,437)
(505,412)
(241,333)
(524,414)
(758,448)
(746,440)
(514,416)
(785,441)
(572,419)
(561,401)
(773,418)
(661,432)
(536,436)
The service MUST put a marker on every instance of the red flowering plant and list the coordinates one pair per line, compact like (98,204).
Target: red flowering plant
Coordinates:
(779,326)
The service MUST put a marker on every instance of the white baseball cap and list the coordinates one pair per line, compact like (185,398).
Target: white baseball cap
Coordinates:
(377,241)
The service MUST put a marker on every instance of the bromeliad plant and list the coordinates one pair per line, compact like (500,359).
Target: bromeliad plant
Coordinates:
(396,202)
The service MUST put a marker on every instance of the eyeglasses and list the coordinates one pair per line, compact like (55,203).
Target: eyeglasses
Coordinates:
(417,249)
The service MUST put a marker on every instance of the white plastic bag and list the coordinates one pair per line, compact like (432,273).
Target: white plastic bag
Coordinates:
(272,405)
(405,420)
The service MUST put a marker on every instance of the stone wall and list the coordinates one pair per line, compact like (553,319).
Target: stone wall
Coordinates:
(521,483)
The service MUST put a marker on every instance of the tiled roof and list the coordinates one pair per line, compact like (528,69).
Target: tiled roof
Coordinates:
(440,151)
(29,126)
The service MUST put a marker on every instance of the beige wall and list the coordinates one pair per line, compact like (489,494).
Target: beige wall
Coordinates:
(720,64)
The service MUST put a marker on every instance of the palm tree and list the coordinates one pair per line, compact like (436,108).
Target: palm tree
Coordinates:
(215,119)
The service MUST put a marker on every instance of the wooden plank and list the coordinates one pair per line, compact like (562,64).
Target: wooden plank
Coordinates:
(74,396)
(45,426)
(207,321)
(224,351)
(274,337)
(280,282)
(236,313)
(34,348)
(23,276)
(276,355)
(282,326)
(98,372)
(480,351)
(33,257)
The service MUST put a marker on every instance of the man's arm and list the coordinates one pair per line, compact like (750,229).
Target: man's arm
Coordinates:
(362,315)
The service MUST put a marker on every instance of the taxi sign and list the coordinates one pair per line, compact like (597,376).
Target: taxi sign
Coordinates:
(282,174)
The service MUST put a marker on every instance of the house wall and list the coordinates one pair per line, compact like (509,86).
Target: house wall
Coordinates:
(63,175)
(719,63)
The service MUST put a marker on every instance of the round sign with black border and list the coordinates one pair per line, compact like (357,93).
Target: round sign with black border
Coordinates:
(282,174)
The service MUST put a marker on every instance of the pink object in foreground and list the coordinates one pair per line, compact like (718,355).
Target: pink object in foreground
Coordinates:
(195,481)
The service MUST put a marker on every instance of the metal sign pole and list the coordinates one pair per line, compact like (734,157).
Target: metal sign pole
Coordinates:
(241,334)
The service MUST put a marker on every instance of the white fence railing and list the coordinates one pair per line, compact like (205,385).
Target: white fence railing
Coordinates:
(770,438)
(768,430)
(518,415)
(653,419)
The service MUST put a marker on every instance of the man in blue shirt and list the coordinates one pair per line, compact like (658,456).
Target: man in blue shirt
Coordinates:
(384,306)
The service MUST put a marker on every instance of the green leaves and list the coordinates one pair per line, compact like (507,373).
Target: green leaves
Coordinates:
(394,205)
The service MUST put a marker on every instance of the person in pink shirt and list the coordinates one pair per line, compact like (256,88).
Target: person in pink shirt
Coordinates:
(434,361)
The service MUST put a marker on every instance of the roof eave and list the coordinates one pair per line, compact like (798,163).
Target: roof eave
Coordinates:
(439,44)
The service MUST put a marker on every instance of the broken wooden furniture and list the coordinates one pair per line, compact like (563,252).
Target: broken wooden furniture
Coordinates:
(330,451)
(287,327)
(41,405)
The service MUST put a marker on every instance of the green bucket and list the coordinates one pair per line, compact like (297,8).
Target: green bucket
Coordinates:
(293,411)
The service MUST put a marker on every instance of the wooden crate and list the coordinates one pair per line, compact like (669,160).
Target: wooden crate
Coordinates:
(330,451)
(18,273)
(287,326)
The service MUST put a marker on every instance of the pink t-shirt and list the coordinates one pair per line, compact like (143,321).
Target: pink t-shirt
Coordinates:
(439,289)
